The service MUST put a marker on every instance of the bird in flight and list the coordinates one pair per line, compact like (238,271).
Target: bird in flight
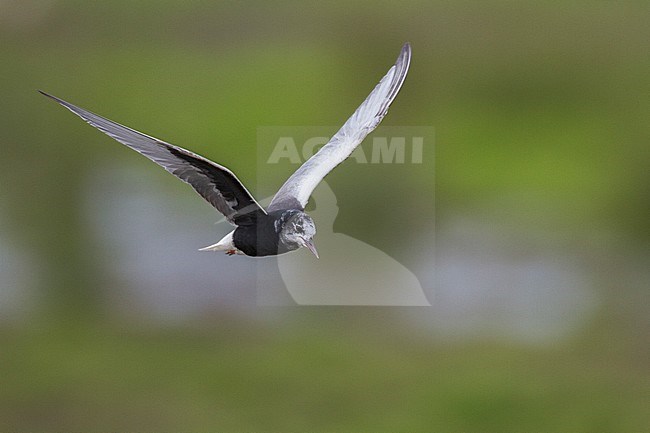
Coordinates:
(283,226)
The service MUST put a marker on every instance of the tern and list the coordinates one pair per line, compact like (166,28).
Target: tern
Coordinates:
(284,226)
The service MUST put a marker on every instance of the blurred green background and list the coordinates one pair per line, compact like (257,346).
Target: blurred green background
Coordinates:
(541,212)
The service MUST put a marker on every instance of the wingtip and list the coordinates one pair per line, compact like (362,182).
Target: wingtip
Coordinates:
(406,50)
(63,103)
(54,98)
(404,59)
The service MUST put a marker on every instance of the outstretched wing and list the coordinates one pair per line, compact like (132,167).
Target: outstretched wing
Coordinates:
(215,183)
(297,189)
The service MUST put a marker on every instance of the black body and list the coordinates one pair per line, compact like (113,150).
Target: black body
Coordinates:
(262,238)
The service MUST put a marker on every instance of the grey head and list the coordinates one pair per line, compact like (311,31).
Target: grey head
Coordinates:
(297,230)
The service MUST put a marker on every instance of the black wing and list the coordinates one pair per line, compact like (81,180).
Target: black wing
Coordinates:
(215,183)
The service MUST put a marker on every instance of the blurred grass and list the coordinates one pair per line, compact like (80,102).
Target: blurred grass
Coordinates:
(342,375)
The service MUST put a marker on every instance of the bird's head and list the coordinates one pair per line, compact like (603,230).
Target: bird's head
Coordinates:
(298,231)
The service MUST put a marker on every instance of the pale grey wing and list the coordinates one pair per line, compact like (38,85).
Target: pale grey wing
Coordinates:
(215,183)
(297,189)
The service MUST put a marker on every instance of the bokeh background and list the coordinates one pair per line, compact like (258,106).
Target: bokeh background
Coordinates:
(535,259)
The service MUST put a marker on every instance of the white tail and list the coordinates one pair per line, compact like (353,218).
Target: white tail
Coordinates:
(224,244)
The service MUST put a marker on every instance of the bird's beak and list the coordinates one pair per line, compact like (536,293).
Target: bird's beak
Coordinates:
(312,248)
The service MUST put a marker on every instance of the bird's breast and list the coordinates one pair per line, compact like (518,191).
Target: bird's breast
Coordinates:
(260,239)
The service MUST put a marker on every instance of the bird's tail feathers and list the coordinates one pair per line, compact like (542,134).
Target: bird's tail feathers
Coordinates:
(224,244)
